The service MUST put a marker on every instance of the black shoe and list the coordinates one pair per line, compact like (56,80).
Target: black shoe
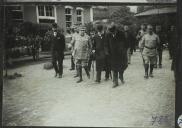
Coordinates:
(60,76)
(97,81)
(55,74)
(115,84)
(80,80)
(88,76)
(160,66)
(106,79)
(122,81)
(72,69)
(151,75)
(146,76)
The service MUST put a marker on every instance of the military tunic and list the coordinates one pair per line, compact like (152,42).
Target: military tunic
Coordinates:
(82,49)
(149,45)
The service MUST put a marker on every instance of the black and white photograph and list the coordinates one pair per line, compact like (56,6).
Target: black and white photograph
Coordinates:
(91,63)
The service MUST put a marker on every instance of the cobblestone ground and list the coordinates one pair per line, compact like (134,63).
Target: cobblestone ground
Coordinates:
(38,98)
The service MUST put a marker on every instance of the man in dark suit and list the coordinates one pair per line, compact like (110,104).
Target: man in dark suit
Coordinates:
(172,38)
(162,37)
(128,42)
(57,49)
(99,51)
(117,53)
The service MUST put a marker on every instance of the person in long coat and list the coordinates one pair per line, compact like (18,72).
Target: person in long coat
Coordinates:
(128,42)
(57,49)
(117,53)
(172,39)
(82,52)
(100,56)
(172,42)
(162,37)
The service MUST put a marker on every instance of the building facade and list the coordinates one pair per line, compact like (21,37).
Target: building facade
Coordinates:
(64,16)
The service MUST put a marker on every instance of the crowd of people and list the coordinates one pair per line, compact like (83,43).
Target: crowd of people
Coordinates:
(111,50)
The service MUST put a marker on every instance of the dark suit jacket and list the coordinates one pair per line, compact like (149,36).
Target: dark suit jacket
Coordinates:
(58,43)
(128,40)
(98,46)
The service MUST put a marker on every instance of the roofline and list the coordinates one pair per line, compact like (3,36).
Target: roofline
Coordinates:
(137,14)
(90,3)
(154,14)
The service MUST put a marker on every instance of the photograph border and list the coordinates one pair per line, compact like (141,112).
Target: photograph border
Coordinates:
(178,65)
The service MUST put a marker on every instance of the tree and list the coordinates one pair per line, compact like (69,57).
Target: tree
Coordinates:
(123,16)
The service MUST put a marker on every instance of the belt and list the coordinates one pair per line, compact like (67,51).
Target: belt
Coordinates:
(149,47)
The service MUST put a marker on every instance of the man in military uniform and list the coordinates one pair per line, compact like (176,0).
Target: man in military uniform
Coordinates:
(99,50)
(57,49)
(148,46)
(81,52)
(117,53)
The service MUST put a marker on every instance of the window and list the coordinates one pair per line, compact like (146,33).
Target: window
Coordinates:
(46,14)
(41,10)
(79,13)
(49,11)
(68,15)
(17,13)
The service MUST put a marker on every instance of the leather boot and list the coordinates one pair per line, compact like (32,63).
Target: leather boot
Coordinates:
(151,70)
(77,74)
(80,75)
(146,70)
(87,72)
(121,77)
(115,79)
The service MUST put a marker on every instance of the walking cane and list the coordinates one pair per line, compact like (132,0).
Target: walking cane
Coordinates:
(93,69)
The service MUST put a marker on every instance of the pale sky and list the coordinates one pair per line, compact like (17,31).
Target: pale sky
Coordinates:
(133,8)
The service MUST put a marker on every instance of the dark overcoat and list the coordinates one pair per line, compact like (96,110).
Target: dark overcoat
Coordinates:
(98,46)
(58,44)
(162,38)
(128,40)
(115,49)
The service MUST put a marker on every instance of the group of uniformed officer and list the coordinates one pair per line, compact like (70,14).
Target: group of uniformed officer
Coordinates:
(110,49)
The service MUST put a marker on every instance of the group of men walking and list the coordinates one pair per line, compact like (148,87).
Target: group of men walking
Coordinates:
(107,48)
(111,50)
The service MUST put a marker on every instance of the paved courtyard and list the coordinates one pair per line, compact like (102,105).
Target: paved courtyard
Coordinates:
(40,99)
